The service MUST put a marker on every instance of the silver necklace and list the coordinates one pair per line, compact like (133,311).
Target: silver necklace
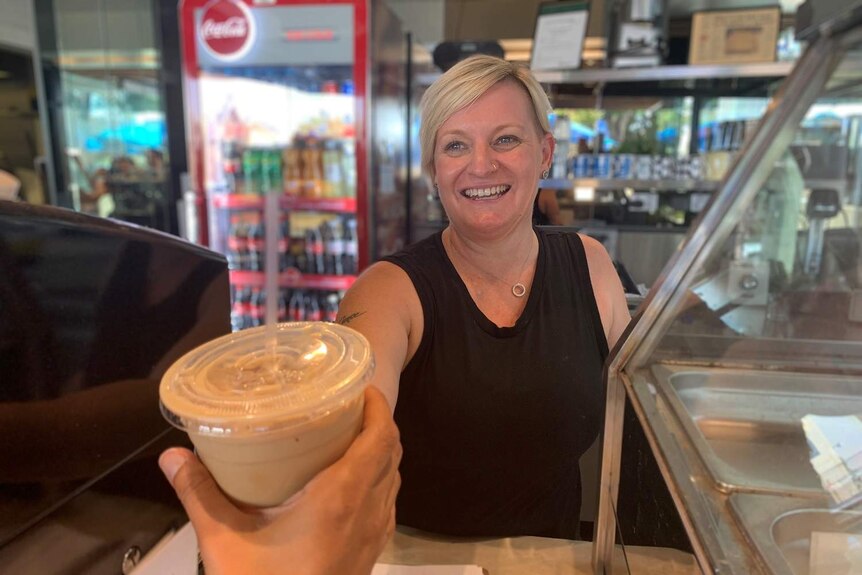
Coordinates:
(518,289)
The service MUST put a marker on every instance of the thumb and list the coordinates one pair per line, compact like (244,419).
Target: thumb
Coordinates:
(202,499)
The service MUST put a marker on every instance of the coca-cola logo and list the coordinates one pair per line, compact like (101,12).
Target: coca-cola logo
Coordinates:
(227,29)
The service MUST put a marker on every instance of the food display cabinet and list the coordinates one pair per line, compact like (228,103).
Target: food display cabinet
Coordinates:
(745,365)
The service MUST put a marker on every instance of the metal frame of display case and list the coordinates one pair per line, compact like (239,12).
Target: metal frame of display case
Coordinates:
(719,545)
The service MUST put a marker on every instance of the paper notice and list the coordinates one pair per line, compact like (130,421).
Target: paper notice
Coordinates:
(383,569)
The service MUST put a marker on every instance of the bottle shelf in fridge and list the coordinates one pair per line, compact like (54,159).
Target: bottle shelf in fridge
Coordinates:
(248,201)
(293,278)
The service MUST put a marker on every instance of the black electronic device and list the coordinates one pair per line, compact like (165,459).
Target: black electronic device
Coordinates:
(447,54)
(92,312)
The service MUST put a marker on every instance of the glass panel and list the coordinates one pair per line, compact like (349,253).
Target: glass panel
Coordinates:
(787,280)
(760,365)
(113,119)
(288,131)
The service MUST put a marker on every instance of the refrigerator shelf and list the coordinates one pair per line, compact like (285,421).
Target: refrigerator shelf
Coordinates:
(248,201)
(293,278)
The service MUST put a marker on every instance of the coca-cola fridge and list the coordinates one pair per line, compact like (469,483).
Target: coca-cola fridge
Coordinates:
(306,100)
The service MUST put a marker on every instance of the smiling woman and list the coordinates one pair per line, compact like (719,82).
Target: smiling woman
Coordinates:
(460,322)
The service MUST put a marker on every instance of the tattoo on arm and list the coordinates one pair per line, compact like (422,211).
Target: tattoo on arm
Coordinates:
(349,318)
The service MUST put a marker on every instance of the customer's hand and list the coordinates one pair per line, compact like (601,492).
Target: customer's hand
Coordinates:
(338,524)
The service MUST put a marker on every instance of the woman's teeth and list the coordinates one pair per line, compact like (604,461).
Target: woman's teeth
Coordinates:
(483,193)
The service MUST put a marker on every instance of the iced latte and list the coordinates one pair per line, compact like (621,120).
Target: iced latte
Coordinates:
(266,418)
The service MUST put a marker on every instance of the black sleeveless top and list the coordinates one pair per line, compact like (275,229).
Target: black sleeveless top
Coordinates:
(494,420)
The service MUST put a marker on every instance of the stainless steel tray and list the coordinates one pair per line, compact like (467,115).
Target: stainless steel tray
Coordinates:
(746,424)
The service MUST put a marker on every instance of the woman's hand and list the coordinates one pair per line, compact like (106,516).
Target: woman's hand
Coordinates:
(338,524)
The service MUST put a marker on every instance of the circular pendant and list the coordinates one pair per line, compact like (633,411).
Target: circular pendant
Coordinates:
(518,290)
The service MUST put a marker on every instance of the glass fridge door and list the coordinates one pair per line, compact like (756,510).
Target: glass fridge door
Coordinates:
(282,118)
(745,368)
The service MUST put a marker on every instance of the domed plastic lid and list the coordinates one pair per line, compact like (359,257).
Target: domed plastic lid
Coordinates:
(241,384)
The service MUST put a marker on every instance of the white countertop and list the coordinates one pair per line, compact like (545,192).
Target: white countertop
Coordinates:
(533,555)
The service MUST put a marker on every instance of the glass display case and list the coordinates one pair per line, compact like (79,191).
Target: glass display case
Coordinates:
(745,365)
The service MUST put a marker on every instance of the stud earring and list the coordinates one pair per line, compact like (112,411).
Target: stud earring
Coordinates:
(545,174)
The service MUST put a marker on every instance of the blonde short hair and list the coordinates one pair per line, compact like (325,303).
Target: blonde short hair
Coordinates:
(465,83)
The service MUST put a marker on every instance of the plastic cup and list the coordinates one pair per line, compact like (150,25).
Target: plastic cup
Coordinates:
(265,420)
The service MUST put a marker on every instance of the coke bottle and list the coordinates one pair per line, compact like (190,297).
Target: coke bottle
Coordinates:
(312,308)
(257,307)
(298,257)
(314,251)
(238,246)
(256,247)
(233,254)
(240,316)
(333,244)
(283,245)
(282,305)
(296,306)
(349,261)
(330,307)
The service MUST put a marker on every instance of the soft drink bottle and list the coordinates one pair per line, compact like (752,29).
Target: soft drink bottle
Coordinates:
(282,305)
(312,308)
(292,170)
(298,257)
(310,260)
(349,263)
(240,245)
(312,169)
(296,306)
(257,307)
(335,247)
(251,168)
(330,307)
(314,251)
(348,169)
(283,245)
(233,254)
(240,316)
(256,247)
(333,181)
(235,309)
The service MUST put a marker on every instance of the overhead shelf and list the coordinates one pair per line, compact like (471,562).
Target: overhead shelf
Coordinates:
(616,184)
(665,73)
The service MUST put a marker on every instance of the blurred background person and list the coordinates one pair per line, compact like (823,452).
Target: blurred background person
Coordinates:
(546,209)
(9,186)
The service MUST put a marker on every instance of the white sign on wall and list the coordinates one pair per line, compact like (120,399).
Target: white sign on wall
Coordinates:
(559,37)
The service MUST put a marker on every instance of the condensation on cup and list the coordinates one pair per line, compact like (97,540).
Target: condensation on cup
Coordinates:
(265,419)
